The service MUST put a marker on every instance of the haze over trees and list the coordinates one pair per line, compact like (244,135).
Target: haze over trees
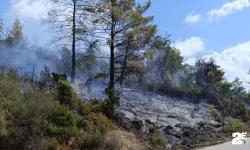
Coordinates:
(126,31)
(67,19)
(39,108)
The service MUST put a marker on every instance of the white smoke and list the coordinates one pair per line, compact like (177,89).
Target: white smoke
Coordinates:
(27,60)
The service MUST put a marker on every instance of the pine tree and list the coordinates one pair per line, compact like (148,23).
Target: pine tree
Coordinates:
(67,20)
(16,35)
(121,23)
(17,30)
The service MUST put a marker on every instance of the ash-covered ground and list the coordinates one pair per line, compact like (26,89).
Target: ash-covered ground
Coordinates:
(178,119)
(160,109)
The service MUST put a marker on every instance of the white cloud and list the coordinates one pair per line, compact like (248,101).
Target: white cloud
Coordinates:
(227,9)
(191,46)
(28,9)
(30,12)
(193,18)
(234,60)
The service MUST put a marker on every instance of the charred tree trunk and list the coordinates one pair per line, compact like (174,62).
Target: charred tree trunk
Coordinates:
(124,67)
(112,60)
(73,69)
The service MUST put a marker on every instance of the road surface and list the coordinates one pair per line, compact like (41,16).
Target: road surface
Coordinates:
(229,146)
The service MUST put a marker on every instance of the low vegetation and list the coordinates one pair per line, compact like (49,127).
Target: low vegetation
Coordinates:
(158,141)
(234,126)
(215,113)
(34,118)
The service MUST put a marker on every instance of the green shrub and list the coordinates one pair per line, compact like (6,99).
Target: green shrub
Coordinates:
(110,103)
(46,81)
(98,121)
(173,90)
(62,124)
(108,107)
(158,141)
(93,106)
(23,107)
(58,77)
(95,126)
(215,113)
(65,93)
(3,124)
(31,118)
(234,126)
(236,110)
(101,75)
(13,74)
(242,111)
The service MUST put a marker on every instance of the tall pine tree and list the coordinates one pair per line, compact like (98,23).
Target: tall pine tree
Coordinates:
(121,24)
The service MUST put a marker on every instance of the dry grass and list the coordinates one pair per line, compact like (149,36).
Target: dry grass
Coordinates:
(121,140)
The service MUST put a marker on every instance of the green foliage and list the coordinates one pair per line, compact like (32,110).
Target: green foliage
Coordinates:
(15,35)
(173,60)
(238,92)
(46,81)
(31,118)
(160,43)
(94,106)
(13,74)
(208,72)
(241,111)
(209,77)
(234,126)
(65,93)
(166,64)
(23,107)
(135,67)
(167,75)
(110,103)
(215,113)
(95,125)
(58,77)
(17,29)
(109,107)
(128,31)
(87,62)
(101,75)
(158,141)
(62,124)
(97,122)
(177,91)
(3,123)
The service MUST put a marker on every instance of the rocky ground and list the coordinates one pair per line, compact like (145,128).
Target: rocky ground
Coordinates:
(183,122)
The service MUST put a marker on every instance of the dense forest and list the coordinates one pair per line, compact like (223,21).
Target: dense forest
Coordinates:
(108,40)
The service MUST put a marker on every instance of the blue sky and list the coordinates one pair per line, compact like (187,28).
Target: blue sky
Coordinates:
(208,28)
(230,30)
